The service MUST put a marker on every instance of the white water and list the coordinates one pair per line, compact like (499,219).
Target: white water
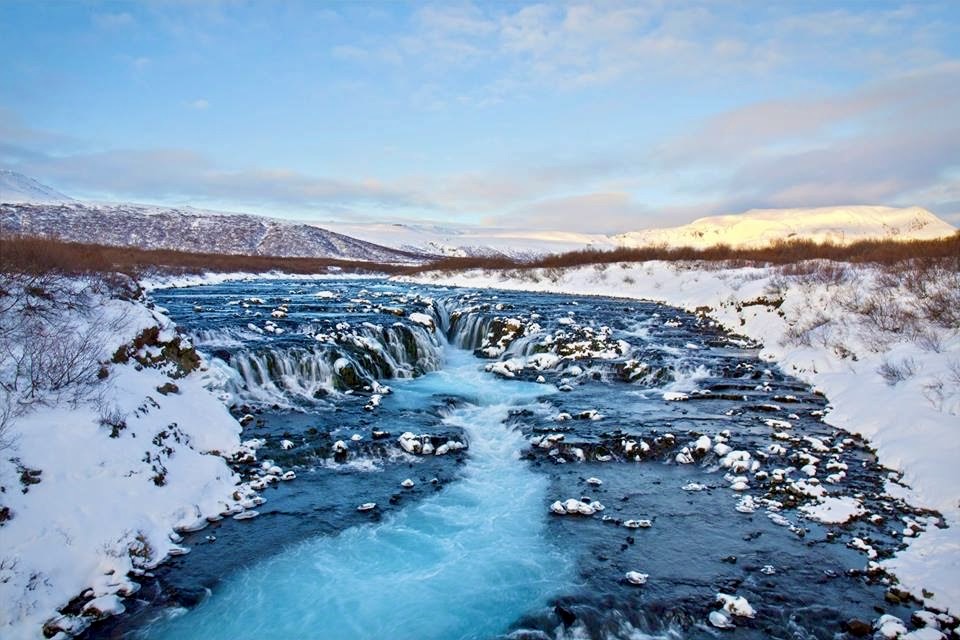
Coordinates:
(465,563)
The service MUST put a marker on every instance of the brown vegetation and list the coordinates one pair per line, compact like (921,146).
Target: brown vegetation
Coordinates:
(27,254)
(779,253)
(39,255)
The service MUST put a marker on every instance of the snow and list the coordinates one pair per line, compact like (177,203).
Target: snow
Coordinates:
(457,240)
(98,511)
(817,330)
(18,188)
(760,227)
(833,510)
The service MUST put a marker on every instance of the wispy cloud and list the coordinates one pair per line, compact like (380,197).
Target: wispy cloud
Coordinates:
(117,20)
(200,104)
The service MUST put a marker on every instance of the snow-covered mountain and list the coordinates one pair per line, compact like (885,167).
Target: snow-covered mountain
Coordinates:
(465,240)
(16,187)
(188,229)
(759,227)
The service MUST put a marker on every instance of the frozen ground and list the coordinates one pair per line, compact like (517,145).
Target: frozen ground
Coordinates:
(96,473)
(875,342)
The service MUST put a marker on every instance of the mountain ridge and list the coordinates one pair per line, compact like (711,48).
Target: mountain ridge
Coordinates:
(759,227)
(18,188)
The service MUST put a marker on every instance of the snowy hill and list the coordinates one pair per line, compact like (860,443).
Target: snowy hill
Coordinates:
(187,229)
(758,227)
(16,187)
(464,240)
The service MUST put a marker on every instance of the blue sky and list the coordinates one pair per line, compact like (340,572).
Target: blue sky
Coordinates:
(601,117)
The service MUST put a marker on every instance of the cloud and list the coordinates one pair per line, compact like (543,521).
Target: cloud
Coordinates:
(176,174)
(894,103)
(588,213)
(199,104)
(118,20)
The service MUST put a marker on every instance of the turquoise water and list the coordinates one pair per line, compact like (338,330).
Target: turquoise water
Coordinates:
(464,563)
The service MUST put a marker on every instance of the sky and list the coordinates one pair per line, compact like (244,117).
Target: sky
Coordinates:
(598,117)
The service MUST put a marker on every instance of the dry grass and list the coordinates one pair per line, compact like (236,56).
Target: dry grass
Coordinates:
(23,254)
(37,255)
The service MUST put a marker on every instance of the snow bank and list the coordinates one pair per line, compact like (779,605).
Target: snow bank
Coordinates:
(170,281)
(96,485)
(898,388)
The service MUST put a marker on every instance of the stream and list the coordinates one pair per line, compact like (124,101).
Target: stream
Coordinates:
(528,455)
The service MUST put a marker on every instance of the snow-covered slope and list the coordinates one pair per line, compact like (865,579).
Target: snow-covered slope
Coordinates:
(759,227)
(465,240)
(188,229)
(16,187)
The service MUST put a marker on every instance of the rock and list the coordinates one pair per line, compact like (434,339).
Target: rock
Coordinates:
(566,616)
(721,620)
(858,628)
(367,506)
(737,605)
(889,627)
(407,484)
(168,388)
(104,607)
(636,578)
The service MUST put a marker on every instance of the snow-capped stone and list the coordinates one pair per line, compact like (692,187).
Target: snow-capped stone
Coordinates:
(736,605)
(636,578)
(721,620)
(367,506)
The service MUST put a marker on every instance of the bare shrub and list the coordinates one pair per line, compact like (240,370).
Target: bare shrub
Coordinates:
(803,334)
(894,372)
(51,340)
(882,311)
(930,340)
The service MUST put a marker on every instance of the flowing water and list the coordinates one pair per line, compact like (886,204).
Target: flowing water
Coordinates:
(683,426)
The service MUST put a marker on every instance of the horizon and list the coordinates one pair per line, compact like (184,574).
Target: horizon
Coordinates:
(581,118)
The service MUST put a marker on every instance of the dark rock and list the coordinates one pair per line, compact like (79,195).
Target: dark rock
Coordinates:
(858,628)
(168,388)
(566,616)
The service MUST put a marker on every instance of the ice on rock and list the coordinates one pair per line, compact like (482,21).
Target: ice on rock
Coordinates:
(410,443)
(703,444)
(367,506)
(889,627)
(407,484)
(694,486)
(104,606)
(596,482)
(721,620)
(638,524)
(573,507)
(636,578)
(746,505)
(736,605)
